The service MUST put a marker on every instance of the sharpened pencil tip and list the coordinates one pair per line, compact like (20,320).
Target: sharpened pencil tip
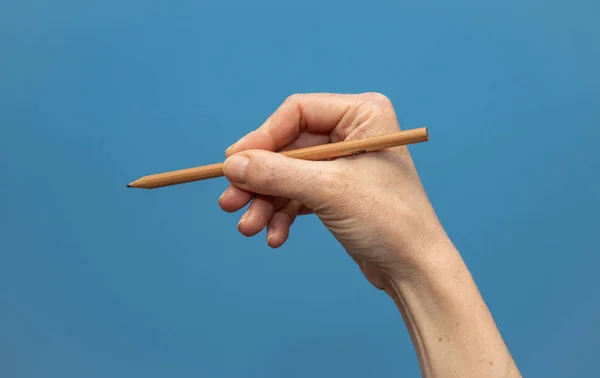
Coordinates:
(136,184)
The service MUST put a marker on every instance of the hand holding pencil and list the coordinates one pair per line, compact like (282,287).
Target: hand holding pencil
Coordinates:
(344,193)
(374,205)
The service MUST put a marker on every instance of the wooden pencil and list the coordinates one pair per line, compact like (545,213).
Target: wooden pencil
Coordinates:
(321,152)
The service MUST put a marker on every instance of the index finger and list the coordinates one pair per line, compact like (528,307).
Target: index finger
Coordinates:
(313,113)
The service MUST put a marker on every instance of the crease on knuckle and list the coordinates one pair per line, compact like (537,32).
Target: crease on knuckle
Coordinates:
(356,118)
(380,104)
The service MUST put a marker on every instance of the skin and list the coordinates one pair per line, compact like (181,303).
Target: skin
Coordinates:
(376,207)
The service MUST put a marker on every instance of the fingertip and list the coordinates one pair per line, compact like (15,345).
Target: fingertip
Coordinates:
(248,141)
(245,228)
(243,219)
(234,199)
(270,235)
(257,217)
(231,150)
(224,193)
(276,239)
(220,199)
(278,230)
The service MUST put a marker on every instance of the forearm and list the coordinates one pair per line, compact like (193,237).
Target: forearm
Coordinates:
(451,327)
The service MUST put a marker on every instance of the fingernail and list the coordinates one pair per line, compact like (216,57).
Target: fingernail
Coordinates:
(229,148)
(244,217)
(271,233)
(235,168)
(223,195)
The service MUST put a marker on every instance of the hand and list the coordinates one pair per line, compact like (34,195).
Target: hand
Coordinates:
(374,204)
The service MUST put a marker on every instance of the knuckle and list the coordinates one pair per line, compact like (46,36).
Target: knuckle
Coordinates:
(379,108)
(378,100)
(293,98)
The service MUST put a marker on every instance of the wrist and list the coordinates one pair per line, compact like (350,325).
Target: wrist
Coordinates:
(446,317)
(422,249)
(432,268)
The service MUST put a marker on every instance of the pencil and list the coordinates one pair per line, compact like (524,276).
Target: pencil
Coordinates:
(321,152)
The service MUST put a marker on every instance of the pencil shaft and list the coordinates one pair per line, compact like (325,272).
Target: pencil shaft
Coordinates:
(321,152)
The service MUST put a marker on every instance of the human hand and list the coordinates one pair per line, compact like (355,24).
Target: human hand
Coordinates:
(376,207)
(374,204)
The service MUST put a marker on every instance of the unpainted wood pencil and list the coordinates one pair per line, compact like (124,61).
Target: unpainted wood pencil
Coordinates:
(321,152)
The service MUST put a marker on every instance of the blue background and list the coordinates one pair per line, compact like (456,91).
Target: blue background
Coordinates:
(97,280)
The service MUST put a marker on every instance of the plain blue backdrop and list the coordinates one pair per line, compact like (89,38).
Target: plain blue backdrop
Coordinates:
(97,280)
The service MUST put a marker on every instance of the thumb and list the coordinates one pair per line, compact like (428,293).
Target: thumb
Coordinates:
(311,183)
